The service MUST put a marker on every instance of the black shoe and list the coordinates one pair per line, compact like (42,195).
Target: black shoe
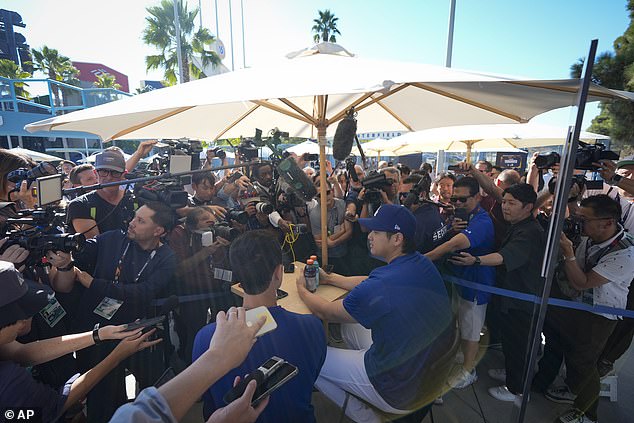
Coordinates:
(604,367)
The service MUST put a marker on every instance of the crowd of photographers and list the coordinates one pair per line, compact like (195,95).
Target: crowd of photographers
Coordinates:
(476,222)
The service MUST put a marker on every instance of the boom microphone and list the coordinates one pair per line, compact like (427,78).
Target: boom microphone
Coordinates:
(344,136)
(296,178)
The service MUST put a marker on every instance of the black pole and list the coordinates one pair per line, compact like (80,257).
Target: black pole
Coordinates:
(167,175)
(560,204)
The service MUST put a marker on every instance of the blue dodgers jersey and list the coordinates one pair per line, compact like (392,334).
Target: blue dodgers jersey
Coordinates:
(481,235)
(298,339)
(406,306)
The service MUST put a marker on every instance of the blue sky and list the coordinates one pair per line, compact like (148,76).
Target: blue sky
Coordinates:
(534,39)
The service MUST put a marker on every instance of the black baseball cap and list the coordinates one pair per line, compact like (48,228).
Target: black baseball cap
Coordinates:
(19,299)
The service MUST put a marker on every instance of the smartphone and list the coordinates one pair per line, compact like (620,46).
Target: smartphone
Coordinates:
(234,177)
(270,376)
(289,268)
(281,294)
(254,314)
(145,323)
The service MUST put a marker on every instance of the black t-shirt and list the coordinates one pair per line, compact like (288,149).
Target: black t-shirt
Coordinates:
(108,217)
(523,253)
(430,228)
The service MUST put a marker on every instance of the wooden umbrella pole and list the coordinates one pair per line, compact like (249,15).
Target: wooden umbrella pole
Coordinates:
(321,136)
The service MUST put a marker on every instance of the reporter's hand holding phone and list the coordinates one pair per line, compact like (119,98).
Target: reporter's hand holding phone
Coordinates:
(233,338)
(240,410)
(132,344)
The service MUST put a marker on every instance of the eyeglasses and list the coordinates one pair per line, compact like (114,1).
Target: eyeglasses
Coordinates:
(460,199)
(106,172)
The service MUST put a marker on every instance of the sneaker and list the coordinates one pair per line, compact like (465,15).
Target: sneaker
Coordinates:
(502,393)
(575,416)
(560,394)
(604,367)
(498,374)
(460,378)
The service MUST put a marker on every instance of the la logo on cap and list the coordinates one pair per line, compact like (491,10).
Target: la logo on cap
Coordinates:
(398,228)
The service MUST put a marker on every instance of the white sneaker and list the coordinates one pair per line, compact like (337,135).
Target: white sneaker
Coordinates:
(498,374)
(460,378)
(502,393)
(439,401)
(575,416)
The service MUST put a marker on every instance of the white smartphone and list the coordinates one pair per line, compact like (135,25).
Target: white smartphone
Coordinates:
(254,315)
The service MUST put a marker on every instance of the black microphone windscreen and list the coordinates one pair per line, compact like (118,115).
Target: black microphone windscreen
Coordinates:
(296,178)
(170,304)
(344,137)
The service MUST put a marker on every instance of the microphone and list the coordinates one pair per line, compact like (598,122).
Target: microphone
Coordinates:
(344,136)
(296,178)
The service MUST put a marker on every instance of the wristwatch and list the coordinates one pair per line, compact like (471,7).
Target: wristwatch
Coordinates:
(615,179)
(477,261)
(95,334)
(67,268)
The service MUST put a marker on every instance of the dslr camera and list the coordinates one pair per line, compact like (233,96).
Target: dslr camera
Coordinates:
(586,155)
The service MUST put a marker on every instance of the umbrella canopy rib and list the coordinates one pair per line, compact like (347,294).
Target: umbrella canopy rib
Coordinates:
(147,123)
(354,104)
(376,99)
(269,105)
(467,101)
(573,90)
(235,122)
(395,116)
(297,109)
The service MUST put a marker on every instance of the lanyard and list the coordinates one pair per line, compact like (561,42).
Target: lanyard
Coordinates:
(117,271)
(589,264)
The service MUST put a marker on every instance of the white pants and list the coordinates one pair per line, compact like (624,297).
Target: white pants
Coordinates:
(344,371)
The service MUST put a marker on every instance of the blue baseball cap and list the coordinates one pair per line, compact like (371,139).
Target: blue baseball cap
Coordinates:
(392,218)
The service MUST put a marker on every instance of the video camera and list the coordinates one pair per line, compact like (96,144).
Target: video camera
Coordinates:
(44,233)
(413,197)
(587,154)
(168,191)
(351,162)
(30,175)
(373,183)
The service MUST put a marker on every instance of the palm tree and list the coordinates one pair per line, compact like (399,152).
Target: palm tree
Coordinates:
(105,80)
(56,67)
(160,32)
(9,69)
(325,27)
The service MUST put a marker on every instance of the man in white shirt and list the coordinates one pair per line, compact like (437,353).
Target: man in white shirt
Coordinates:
(601,270)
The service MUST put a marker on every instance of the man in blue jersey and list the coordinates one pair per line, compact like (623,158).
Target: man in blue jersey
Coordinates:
(478,238)
(397,322)
(256,260)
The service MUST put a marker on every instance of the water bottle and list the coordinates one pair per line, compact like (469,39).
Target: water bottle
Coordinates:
(316,264)
(310,276)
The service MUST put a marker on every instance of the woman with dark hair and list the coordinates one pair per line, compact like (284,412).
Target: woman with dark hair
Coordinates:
(9,162)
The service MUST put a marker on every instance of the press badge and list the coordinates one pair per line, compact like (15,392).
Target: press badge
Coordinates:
(223,274)
(53,312)
(107,308)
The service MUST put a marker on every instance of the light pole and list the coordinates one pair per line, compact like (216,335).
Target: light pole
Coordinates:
(231,34)
(452,16)
(177,26)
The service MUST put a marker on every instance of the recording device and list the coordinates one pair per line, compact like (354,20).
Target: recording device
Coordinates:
(219,152)
(270,376)
(234,177)
(461,214)
(423,186)
(177,150)
(300,228)
(308,157)
(264,207)
(145,323)
(456,168)
(223,230)
(296,179)
(586,155)
(168,191)
(344,136)
(29,175)
(49,189)
(373,183)
(580,181)
(350,170)
(288,268)
(572,227)
(255,314)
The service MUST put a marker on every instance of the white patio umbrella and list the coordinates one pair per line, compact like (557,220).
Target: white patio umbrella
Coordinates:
(498,137)
(310,90)
(36,155)
(380,147)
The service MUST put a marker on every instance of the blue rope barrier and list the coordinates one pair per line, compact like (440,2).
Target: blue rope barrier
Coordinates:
(535,299)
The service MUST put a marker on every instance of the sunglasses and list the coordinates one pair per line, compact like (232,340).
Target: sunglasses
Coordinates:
(459,199)
(106,172)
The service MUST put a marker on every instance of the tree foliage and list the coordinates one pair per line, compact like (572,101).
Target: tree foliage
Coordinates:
(106,80)
(325,27)
(57,68)
(9,69)
(615,70)
(160,32)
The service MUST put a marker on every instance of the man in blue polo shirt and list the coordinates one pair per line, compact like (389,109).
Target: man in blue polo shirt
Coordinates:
(256,260)
(477,239)
(397,322)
